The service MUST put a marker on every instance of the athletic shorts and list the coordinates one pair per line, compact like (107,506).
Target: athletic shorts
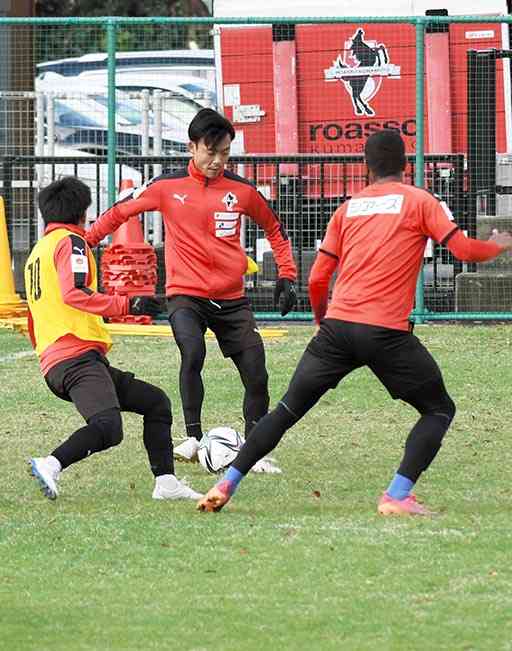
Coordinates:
(89,382)
(231,321)
(397,358)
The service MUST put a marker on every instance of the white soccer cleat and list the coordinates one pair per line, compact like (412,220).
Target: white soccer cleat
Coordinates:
(187,451)
(267,466)
(168,487)
(46,474)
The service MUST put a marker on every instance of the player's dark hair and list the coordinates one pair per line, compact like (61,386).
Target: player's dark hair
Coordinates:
(385,153)
(64,201)
(211,126)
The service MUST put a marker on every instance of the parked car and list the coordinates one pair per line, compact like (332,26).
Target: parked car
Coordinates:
(81,118)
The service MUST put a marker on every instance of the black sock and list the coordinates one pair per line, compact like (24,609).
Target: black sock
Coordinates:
(159,447)
(82,443)
(195,430)
(422,445)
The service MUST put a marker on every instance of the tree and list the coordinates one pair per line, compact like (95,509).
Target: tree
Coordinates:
(135,8)
(54,43)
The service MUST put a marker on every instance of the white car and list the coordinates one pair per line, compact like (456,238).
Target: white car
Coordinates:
(81,117)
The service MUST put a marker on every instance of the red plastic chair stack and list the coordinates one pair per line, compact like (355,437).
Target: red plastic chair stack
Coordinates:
(129,265)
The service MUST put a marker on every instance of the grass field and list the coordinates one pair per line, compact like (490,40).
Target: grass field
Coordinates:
(297,561)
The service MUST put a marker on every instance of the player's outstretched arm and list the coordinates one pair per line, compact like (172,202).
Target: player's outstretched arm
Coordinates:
(437,221)
(468,249)
(136,202)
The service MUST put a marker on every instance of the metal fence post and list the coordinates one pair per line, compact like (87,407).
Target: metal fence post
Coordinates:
(419,179)
(111,136)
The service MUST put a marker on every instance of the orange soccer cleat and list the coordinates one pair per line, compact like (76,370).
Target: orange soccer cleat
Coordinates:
(216,498)
(409,506)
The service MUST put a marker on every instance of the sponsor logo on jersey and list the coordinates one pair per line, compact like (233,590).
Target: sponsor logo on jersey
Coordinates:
(225,223)
(389,204)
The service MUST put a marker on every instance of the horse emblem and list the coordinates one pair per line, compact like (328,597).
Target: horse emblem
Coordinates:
(230,200)
(361,68)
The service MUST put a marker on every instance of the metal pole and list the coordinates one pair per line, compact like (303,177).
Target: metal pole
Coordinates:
(157,151)
(50,123)
(420,148)
(144,149)
(111,109)
(40,169)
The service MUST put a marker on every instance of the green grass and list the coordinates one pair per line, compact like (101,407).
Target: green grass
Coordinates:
(297,561)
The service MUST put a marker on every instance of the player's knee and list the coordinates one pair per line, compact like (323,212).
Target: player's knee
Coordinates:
(110,426)
(192,352)
(192,359)
(434,399)
(448,408)
(160,408)
(284,415)
(441,405)
(251,365)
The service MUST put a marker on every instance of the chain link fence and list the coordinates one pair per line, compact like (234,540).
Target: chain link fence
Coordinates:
(110,99)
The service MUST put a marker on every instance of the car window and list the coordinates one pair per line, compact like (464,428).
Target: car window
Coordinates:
(66,116)
(123,109)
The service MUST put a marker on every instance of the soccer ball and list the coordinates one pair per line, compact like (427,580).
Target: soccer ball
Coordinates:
(218,448)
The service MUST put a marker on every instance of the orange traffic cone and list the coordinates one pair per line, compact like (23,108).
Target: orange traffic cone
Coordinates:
(131,231)
(11,304)
(128,266)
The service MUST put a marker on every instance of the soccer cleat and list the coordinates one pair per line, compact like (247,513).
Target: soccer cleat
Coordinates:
(408,506)
(46,475)
(267,466)
(168,487)
(214,500)
(187,451)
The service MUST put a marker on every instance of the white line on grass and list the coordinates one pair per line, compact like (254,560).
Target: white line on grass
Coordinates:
(14,356)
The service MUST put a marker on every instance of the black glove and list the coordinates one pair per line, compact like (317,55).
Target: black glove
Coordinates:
(149,305)
(285,290)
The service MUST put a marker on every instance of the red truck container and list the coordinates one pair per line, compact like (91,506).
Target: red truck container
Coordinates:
(323,88)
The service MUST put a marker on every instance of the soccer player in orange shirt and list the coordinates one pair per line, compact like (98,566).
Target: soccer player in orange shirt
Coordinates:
(375,242)
(202,207)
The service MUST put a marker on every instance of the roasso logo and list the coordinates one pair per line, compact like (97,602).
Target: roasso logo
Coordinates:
(356,130)
(361,67)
